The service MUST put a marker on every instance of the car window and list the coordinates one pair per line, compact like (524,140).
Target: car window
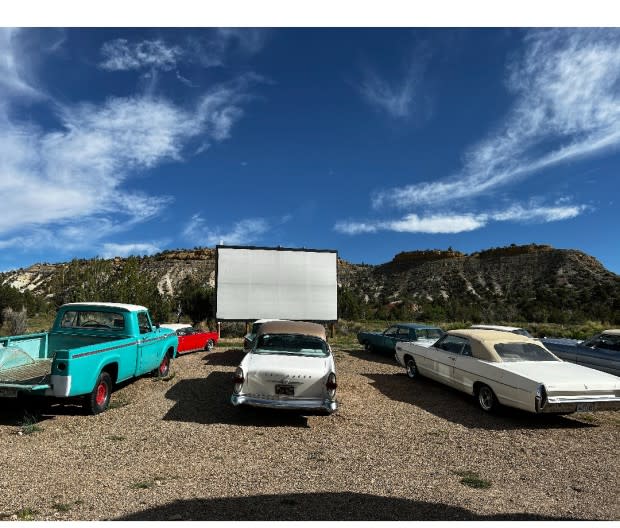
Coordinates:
(291,344)
(451,344)
(144,323)
(93,319)
(405,332)
(429,333)
(392,331)
(608,341)
(466,351)
(512,352)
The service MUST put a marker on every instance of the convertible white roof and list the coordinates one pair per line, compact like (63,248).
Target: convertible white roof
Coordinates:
(176,326)
(120,306)
(483,341)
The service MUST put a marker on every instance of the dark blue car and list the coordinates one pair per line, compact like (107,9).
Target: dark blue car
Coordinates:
(601,352)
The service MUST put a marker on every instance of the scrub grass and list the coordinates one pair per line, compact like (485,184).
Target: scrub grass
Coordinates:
(116,438)
(29,425)
(118,402)
(26,514)
(473,480)
(145,484)
(61,507)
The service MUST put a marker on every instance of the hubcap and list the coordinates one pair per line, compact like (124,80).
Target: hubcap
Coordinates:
(411,368)
(102,393)
(164,366)
(486,398)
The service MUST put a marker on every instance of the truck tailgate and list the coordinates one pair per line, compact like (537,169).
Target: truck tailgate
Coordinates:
(36,370)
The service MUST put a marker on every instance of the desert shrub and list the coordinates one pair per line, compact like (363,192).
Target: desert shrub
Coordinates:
(14,321)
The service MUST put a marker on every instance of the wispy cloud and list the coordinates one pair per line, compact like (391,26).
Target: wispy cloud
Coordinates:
(66,185)
(399,96)
(242,232)
(13,78)
(120,54)
(534,212)
(210,48)
(567,106)
(394,98)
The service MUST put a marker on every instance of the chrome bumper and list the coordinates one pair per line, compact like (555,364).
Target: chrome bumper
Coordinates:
(568,405)
(314,404)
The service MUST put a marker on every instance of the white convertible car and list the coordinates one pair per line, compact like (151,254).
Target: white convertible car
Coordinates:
(290,366)
(509,369)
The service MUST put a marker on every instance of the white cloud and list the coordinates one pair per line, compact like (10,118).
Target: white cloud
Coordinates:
(242,232)
(120,54)
(534,212)
(111,250)
(567,88)
(413,223)
(13,78)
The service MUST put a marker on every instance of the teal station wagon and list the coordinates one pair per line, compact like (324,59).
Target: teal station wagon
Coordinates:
(91,347)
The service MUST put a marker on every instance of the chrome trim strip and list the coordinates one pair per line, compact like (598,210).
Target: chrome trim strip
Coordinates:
(307,403)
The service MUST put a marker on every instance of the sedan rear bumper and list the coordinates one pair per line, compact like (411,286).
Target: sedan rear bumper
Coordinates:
(583,404)
(314,404)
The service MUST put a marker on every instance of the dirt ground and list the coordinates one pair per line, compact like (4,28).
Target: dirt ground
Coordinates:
(397,449)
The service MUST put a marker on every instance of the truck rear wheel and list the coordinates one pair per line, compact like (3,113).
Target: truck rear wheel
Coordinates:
(99,399)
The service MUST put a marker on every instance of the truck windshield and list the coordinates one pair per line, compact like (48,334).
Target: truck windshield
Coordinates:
(291,344)
(92,319)
(523,352)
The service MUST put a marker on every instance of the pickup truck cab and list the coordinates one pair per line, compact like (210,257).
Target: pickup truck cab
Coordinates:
(91,347)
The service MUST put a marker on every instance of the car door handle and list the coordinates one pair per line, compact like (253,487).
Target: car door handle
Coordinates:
(452,358)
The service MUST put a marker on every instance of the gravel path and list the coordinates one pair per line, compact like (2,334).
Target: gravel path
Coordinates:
(397,449)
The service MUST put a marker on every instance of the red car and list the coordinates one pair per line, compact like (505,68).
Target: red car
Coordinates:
(191,339)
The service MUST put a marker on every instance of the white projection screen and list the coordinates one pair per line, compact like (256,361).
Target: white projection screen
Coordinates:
(276,283)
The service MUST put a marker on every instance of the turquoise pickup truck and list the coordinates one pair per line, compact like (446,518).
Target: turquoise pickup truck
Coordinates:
(91,347)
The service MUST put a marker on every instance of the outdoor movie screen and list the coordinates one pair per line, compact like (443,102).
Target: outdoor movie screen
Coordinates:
(276,283)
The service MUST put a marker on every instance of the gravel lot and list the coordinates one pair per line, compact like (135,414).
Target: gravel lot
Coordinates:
(177,450)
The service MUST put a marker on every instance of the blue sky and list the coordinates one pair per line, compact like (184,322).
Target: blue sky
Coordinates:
(367,141)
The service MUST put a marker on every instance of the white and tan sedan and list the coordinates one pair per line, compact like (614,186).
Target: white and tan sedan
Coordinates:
(509,369)
(290,366)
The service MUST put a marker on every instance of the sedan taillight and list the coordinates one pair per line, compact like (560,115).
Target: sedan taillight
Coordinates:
(331,386)
(238,380)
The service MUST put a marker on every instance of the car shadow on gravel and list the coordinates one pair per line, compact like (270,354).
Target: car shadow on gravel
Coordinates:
(458,407)
(386,358)
(36,409)
(228,358)
(207,401)
(344,506)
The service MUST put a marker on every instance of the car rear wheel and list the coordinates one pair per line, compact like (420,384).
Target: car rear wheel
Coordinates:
(209,345)
(368,347)
(412,368)
(486,398)
(99,399)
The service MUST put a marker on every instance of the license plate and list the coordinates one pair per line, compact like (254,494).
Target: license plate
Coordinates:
(285,390)
(8,393)
(585,407)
